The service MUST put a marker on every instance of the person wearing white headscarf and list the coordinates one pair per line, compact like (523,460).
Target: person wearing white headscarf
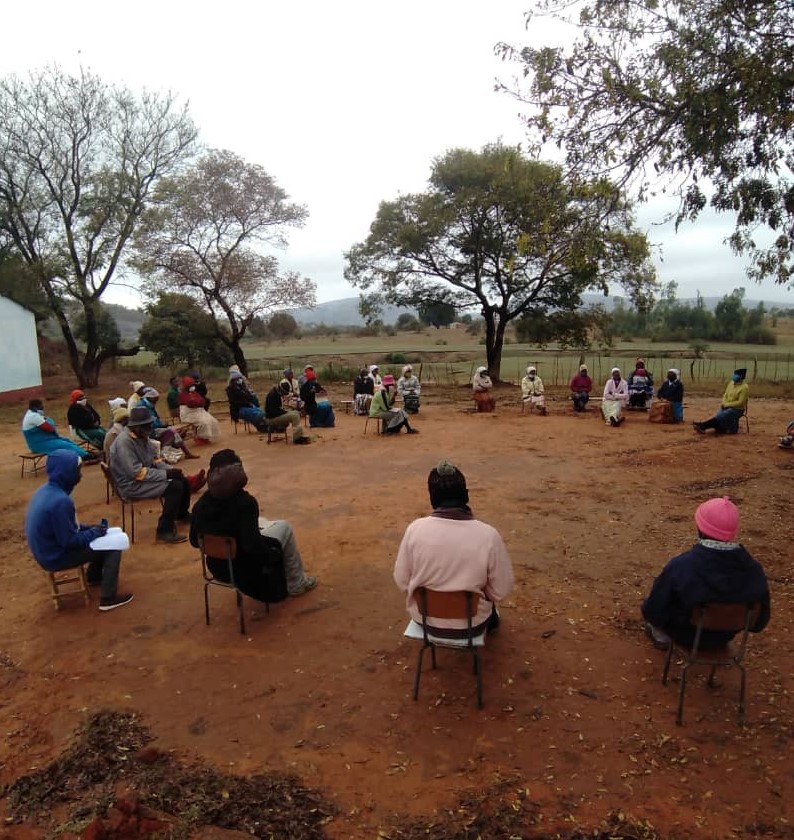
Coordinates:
(532,390)
(374,375)
(137,392)
(672,391)
(616,395)
(408,388)
(481,386)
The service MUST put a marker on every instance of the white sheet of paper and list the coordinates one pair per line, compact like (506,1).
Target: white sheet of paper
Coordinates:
(114,540)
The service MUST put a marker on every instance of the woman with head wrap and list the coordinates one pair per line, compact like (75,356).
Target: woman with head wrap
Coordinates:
(164,434)
(382,407)
(120,417)
(616,395)
(374,375)
(734,405)
(409,388)
(363,391)
(450,551)
(193,410)
(85,421)
(640,385)
(41,434)
(137,392)
(532,391)
(317,405)
(672,392)
(581,386)
(481,386)
(292,398)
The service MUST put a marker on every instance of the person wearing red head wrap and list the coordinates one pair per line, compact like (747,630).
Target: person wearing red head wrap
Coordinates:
(85,421)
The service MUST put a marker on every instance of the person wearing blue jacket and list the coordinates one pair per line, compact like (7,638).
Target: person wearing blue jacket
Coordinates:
(715,570)
(58,541)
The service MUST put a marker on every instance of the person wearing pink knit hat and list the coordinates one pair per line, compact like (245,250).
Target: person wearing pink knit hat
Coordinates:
(716,569)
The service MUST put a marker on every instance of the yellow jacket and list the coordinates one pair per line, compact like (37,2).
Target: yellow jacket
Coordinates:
(736,395)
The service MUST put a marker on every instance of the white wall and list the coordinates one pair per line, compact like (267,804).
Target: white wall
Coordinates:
(19,351)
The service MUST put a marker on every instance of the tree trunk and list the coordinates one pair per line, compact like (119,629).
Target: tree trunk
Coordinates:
(239,356)
(494,342)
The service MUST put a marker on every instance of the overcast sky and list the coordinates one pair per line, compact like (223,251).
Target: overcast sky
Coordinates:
(344,103)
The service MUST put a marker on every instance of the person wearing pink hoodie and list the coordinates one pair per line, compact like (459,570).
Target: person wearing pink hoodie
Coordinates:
(450,551)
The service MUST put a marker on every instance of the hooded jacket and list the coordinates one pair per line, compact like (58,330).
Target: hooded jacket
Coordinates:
(228,510)
(700,576)
(51,525)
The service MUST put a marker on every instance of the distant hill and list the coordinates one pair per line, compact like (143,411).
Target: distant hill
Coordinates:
(343,313)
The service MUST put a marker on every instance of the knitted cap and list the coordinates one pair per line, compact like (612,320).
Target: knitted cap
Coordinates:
(718,519)
(446,483)
(75,396)
(136,384)
(151,393)
(120,414)
(117,402)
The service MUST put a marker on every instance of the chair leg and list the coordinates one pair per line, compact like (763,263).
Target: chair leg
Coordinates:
(419,669)
(742,689)
(241,610)
(667,664)
(478,675)
(206,603)
(84,585)
(680,716)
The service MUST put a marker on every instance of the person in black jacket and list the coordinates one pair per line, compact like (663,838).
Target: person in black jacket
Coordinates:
(243,403)
(715,570)
(672,391)
(85,421)
(278,418)
(363,391)
(226,509)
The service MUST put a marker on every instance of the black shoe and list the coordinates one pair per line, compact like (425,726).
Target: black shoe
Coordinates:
(302,441)
(613,421)
(171,537)
(118,600)
(413,431)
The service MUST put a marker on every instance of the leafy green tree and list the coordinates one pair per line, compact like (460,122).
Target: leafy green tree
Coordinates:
(693,93)
(437,314)
(78,160)
(201,236)
(408,323)
(282,326)
(18,283)
(504,234)
(108,337)
(729,315)
(181,332)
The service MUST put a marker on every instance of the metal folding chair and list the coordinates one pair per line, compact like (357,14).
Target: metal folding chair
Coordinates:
(734,618)
(220,547)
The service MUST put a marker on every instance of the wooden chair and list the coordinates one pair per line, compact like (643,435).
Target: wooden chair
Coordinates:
(376,420)
(213,545)
(734,618)
(66,578)
(459,605)
(31,463)
(111,489)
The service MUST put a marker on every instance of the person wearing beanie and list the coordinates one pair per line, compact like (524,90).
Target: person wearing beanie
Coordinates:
(227,509)
(277,417)
(292,400)
(363,391)
(193,407)
(671,395)
(137,392)
(85,421)
(140,474)
(450,551)
(715,569)
(734,405)
(533,393)
(41,435)
(581,386)
(616,395)
(382,407)
(409,388)
(316,403)
(58,541)
(120,418)
(640,385)
(243,402)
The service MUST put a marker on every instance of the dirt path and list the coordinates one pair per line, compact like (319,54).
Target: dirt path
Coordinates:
(321,686)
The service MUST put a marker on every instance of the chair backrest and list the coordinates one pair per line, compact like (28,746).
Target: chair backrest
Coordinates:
(216,545)
(435,604)
(731,618)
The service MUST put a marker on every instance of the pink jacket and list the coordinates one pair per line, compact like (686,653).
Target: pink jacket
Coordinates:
(451,555)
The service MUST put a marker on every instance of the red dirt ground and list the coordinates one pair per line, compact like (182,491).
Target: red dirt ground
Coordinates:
(321,686)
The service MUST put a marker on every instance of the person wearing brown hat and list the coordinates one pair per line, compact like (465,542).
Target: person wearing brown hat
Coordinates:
(85,421)
(140,475)
(451,551)
(734,405)
(715,569)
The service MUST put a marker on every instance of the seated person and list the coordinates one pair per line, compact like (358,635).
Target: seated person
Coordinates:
(164,434)
(392,419)
(640,386)
(481,386)
(140,475)
(616,395)
(172,397)
(715,569)
(137,392)
(734,404)
(116,402)
(200,386)
(278,418)
(363,391)
(226,509)
(244,403)
(408,388)
(672,392)
(532,390)
(193,410)
(320,411)
(85,421)
(42,436)
(292,399)
(374,375)
(120,418)
(581,386)
(58,541)
(303,377)
(451,551)
(787,441)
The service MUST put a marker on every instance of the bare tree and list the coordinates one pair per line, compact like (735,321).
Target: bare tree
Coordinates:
(197,235)
(78,159)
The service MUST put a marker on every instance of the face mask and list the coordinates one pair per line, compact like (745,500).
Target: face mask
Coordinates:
(81,402)
(736,377)
(531,375)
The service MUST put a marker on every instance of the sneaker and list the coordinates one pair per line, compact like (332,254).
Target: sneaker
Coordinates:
(698,428)
(118,600)
(306,584)
(171,537)
(661,641)
(302,441)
